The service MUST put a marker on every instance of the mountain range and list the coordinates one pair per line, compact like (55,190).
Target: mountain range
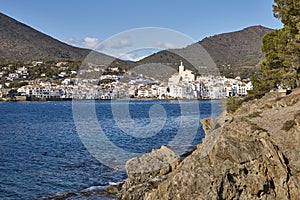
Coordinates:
(230,52)
(234,53)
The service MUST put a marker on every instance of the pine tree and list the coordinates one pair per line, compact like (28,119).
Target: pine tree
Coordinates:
(281,66)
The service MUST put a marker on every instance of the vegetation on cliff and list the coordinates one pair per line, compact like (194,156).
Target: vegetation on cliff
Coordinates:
(281,66)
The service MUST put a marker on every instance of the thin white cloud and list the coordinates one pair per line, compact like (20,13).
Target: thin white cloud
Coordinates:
(97,44)
(87,42)
(137,54)
(166,45)
(131,57)
(91,43)
(72,41)
(118,43)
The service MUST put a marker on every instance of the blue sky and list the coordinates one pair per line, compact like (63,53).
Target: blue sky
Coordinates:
(84,23)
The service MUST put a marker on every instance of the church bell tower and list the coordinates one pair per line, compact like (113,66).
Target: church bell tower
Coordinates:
(181,68)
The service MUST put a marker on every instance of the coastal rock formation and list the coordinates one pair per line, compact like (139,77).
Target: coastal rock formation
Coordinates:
(146,172)
(250,154)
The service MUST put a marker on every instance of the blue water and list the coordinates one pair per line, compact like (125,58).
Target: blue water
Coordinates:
(42,154)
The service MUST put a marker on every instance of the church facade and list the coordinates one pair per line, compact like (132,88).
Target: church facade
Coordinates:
(181,84)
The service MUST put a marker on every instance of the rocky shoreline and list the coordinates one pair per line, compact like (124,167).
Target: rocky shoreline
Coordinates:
(250,154)
(95,192)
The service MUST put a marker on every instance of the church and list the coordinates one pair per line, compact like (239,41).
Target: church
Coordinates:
(180,84)
(183,75)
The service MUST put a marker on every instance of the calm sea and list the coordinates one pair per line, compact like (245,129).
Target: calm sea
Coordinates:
(43,152)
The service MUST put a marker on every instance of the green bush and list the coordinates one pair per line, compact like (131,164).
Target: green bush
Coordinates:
(233,103)
(288,125)
(17,84)
(253,115)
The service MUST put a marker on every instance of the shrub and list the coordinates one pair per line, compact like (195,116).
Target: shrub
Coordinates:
(255,114)
(288,125)
(233,103)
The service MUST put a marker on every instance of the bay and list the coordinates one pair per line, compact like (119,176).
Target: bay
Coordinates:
(42,153)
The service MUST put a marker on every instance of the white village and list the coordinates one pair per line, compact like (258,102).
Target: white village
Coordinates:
(181,85)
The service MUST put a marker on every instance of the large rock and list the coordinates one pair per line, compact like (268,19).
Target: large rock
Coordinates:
(251,154)
(146,172)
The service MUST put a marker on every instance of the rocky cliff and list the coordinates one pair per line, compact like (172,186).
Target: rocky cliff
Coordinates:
(250,154)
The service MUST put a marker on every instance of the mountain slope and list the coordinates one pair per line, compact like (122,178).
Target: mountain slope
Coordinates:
(19,42)
(231,52)
(240,48)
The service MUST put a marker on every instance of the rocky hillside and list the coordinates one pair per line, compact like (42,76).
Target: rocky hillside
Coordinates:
(239,48)
(19,42)
(250,154)
(235,53)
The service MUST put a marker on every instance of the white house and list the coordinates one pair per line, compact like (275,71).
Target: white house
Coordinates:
(37,63)
(39,91)
(13,75)
(154,91)
(249,86)
(73,72)
(31,90)
(143,92)
(62,74)
(243,88)
(67,81)
(114,69)
(22,70)
(215,92)
(2,74)
(162,91)
(176,91)
(61,63)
